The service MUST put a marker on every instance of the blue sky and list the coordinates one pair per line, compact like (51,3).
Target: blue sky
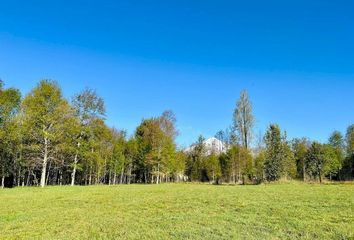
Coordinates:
(296,59)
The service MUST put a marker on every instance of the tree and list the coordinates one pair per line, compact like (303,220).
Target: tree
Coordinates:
(321,160)
(259,166)
(240,162)
(131,153)
(118,157)
(348,165)
(45,112)
(226,137)
(150,141)
(212,167)
(337,146)
(195,161)
(88,107)
(178,166)
(155,140)
(243,119)
(289,163)
(279,157)
(273,163)
(168,124)
(350,140)
(299,148)
(9,105)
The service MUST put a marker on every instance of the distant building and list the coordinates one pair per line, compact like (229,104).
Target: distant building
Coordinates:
(212,145)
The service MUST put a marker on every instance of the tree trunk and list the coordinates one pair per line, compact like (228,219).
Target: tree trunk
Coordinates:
(114,178)
(158,174)
(19,177)
(44,164)
(121,176)
(60,177)
(47,178)
(74,170)
(109,177)
(3,182)
(129,174)
(90,176)
(28,178)
(304,172)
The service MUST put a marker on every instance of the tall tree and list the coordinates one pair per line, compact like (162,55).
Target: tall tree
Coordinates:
(118,159)
(9,105)
(337,143)
(280,160)
(350,140)
(213,168)
(195,161)
(273,164)
(89,107)
(243,120)
(299,148)
(156,145)
(349,160)
(45,112)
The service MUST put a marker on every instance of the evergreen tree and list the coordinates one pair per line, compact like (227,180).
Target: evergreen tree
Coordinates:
(280,160)
(273,164)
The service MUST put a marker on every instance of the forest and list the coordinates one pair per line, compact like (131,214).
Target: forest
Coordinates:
(46,139)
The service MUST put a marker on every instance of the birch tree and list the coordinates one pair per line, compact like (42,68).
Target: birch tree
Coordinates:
(88,107)
(45,112)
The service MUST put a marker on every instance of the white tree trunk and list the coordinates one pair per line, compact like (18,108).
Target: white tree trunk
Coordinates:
(45,161)
(114,178)
(121,176)
(158,174)
(3,182)
(75,163)
(74,171)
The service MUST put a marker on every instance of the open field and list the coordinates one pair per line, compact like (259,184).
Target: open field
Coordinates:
(179,211)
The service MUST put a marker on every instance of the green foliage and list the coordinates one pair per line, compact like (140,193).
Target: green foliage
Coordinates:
(195,162)
(9,106)
(259,166)
(322,160)
(213,169)
(240,163)
(299,148)
(44,139)
(280,161)
(350,140)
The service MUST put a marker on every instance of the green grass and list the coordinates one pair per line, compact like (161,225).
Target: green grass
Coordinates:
(179,211)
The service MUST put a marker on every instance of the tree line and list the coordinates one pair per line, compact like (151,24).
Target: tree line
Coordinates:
(46,139)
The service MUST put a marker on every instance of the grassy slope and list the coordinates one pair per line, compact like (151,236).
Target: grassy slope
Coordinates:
(179,211)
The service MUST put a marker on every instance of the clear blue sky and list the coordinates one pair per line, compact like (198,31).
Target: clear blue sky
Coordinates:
(296,59)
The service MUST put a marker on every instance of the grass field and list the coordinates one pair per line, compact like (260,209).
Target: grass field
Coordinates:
(179,211)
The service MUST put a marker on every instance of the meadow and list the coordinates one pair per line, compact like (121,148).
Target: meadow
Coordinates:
(179,211)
